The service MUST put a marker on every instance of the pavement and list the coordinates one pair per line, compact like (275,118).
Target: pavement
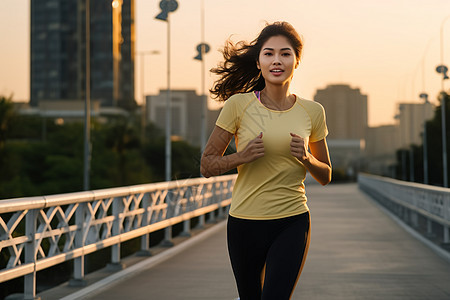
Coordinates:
(357,251)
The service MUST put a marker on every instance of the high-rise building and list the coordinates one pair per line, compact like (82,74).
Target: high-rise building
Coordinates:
(58,56)
(382,143)
(186,114)
(346,110)
(411,118)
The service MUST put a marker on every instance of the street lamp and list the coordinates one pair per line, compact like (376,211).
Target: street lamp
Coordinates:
(424,96)
(87,102)
(202,49)
(442,69)
(168,6)
(142,55)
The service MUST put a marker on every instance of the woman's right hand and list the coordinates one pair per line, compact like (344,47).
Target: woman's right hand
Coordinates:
(213,162)
(254,149)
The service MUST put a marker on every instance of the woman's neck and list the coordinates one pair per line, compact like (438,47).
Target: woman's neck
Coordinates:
(277,97)
(277,92)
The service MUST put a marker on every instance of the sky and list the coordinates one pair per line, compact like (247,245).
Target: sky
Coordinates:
(388,49)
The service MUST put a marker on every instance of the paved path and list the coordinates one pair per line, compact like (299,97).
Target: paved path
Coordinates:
(356,252)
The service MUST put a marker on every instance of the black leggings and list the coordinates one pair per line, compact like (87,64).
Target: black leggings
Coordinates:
(267,256)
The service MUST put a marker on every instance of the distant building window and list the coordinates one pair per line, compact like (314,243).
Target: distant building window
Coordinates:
(52,4)
(54,26)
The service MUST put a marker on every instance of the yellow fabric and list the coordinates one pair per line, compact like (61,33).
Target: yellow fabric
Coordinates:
(270,187)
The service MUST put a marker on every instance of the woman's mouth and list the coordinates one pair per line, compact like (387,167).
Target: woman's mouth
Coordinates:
(276,72)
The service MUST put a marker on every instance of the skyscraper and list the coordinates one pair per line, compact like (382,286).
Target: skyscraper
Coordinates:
(58,43)
(346,110)
(186,114)
(411,118)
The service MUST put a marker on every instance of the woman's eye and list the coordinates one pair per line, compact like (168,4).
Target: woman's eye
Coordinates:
(286,54)
(268,53)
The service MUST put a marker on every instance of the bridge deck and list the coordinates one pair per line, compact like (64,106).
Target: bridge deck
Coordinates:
(356,252)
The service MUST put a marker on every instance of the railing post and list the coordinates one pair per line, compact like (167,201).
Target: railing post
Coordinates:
(415,219)
(212,217)
(429,227)
(446,234)
(221,208)
(201,218)
(214,199)
(186,228)
(406,215)
(117,210)
(188,196)
(201,222)
(145,239)
(167,242)
(30,254)
(78,262)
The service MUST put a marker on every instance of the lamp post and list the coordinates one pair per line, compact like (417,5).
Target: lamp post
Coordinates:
(442,69)
(400,117)
(87,102)
(424,96)
(168,6)
(202,49)
(142,55)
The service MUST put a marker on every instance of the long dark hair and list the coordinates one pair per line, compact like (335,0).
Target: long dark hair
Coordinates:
(239,72)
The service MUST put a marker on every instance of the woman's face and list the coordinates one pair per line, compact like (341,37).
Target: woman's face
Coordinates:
(277,60)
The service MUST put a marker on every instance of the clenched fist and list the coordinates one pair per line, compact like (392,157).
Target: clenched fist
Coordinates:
(254,149)
(299,148)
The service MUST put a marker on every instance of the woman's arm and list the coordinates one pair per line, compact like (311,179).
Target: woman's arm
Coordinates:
(317,162)
(213,162)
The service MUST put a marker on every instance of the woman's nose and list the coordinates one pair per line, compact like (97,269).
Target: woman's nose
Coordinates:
(276,59)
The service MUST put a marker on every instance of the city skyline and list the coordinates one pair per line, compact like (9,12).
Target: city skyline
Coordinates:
(378,47)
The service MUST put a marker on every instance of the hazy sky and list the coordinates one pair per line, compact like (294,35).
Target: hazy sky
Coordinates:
(378,46)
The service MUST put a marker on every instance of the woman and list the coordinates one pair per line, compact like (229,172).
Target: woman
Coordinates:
(268,225)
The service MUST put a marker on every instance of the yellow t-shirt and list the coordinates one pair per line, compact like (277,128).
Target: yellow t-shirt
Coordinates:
(270,187)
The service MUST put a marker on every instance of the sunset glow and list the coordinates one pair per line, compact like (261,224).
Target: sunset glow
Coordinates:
(388,49)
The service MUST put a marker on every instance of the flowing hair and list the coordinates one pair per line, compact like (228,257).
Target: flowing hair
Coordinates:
(239,72)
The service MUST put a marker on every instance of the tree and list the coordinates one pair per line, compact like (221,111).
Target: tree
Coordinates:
(434,147)
(6,114)
(434,137)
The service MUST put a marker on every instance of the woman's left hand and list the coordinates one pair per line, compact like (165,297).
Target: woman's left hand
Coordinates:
(299,148)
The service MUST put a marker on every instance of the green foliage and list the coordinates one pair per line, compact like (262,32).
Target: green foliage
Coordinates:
(185,159)
(434,147)
(6,114)
(38,157)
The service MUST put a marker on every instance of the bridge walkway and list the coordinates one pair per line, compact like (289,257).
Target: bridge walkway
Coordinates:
(357,252)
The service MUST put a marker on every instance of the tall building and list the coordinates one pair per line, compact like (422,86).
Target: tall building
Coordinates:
(186,114)
(346,110)
(58,44)
(382,143)
(411,117)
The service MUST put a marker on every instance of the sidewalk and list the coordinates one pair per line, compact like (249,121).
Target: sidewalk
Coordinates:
(356,252)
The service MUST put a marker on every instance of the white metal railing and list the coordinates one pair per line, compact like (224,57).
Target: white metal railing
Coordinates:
(413,199)
(75,224)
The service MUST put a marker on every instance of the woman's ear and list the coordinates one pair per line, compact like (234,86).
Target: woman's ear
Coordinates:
(257,65)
